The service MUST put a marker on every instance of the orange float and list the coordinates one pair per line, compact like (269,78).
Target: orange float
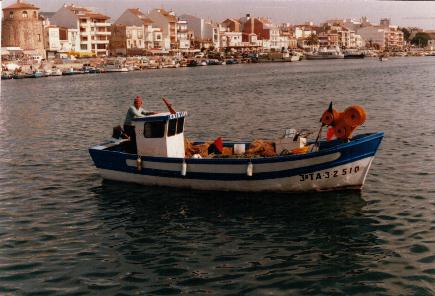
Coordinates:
(329,116)
(343,123)
(354,116)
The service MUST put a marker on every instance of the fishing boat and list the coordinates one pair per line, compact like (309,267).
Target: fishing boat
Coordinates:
(295,165)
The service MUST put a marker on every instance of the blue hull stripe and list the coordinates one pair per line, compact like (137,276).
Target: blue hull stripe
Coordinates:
(364,147)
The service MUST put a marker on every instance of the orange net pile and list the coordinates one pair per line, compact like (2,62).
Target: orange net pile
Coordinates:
(258,148)
(261,148)
(344,123)
(191,149)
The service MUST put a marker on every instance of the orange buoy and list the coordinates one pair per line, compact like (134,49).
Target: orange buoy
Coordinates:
(340,131)
(328,117)
(354,116)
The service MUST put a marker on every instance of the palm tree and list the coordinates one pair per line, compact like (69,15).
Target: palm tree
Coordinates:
(312,39)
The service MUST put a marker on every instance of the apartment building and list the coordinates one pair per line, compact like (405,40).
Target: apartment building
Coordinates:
(93,27)
(133,34)
(167,22)
(205,33)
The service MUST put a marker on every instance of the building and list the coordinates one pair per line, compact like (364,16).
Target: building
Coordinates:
(22,27)
(93,27)
(205,33)
(133,34)
(167,22)
(230,39)
(384,38)
(182,35)
(233,25)
(69,40)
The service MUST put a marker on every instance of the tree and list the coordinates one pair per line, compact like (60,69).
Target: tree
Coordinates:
(421,39)
(406,33)
(312,39)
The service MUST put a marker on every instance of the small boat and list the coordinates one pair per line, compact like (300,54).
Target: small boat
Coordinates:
(213,62)
(383,58)
(6,75)
(73,72)
(56,72)
(111,68)
(231,62)
(22,75)
(192,63)
(354,54)
(161,160)
(38,74)
(325,54)
(296,57)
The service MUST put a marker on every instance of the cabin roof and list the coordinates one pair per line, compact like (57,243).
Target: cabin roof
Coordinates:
(165,116)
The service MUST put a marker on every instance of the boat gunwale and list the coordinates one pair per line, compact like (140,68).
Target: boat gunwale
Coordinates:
(279,158)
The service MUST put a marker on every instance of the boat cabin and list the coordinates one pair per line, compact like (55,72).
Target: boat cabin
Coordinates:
(161,135)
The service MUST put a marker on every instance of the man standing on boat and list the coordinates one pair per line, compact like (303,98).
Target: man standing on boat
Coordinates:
(135,111)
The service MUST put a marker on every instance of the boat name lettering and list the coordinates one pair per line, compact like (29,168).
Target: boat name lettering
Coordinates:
(328,174)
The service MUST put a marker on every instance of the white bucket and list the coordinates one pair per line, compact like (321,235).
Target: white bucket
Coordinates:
(239,149)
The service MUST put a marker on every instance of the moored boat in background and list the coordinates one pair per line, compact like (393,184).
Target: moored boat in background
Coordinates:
(325,54)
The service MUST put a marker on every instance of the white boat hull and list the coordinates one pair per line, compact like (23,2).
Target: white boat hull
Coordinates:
(348,176)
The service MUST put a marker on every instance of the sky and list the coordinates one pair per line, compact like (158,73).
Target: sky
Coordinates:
(403,13)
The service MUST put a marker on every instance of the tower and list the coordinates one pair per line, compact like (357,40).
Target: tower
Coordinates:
(22,27)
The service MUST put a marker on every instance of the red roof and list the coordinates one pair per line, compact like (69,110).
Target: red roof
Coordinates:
(137,12)
(167,14)
(21,5)
(84,12)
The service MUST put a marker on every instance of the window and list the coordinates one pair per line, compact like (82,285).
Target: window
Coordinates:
(83,47)
(175,126)
(25,14)
(180,125)
(39,37)
(172,127)
(35,15)
(154,129)
(11,14)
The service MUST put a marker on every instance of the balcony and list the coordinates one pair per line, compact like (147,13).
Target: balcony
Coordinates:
(103,33)
(100,41)
(102,24)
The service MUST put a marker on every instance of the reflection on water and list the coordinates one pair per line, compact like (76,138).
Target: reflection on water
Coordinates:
(270,242)
(63,231)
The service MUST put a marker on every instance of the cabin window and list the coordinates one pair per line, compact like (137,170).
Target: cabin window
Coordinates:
(172,127)
(180,125)
(154,129)
(25,14)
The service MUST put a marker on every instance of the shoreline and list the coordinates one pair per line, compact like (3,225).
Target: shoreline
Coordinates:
(81,67)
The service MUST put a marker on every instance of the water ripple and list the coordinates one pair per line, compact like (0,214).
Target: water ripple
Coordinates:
(65,232)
